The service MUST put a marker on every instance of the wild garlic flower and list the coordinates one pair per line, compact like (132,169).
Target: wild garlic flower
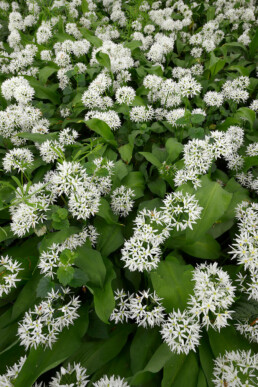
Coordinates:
(248,283)
(142,252)
(50,150)
(200,154)
(252,149)
(18,118)
(213,296)
(43,325)
(68,136)
(113,381)
(141,114)
(121,200)
(213,98)
(146,309)
(181,331)
(29,208)
(19,89)
(84,202)
(125,95)
(235,90)
(254,105)
(17,158)
(245,246)
(248,180)
(9,270)
(50,260)
(74,374)
(181,210)
(12,373)
(122,311)
(120,56)
(189,87)
(249,329)
(173,115)
(44,33)
(110,117)
(101,177)
(236,368)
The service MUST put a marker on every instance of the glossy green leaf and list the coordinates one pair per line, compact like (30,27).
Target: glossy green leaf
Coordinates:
(173,282)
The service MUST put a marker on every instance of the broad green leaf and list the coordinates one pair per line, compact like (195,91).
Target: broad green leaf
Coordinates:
(133,44)
(206,358)
(188,374)
(41,360)
(126,152)
(197,118)
(91,37)
(210,13)
(205,247)
(46,72)
(135,181)
(120,170)
(181,370)
(249,162)
(246,113)
(94,354)
(5,233)
(110,237)
(44,92)
(173,282)
(151,204)
(253,45)
(151,158)
(102,129)
(26,298)
(57,237)
(216,65)
(155,364)
(196,133)
(65,274)
(241,69)
(214,200)
(104,300)
(85,7)
(174,148)
(143,345)
(201,382)
(103,60)
(91,263)
(45,285)
(158,187)
(106,213)
(228,339)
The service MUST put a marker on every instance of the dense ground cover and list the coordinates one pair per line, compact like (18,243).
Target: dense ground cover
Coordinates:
(128,193)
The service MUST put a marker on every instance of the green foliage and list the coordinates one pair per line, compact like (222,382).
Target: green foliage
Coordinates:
(151,144)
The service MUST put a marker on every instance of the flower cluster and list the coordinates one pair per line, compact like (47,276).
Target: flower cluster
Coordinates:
(74,374)
(213,295)
(113,381)
(9,270)
(51,259)
(200,154)
(12,372)
(121,200)
(142,251)
(245,247)
(236,368)
(144,308)
(20,159)
(43,325)
(181,331)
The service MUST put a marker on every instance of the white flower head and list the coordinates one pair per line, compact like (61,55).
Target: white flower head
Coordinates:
(181,331)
